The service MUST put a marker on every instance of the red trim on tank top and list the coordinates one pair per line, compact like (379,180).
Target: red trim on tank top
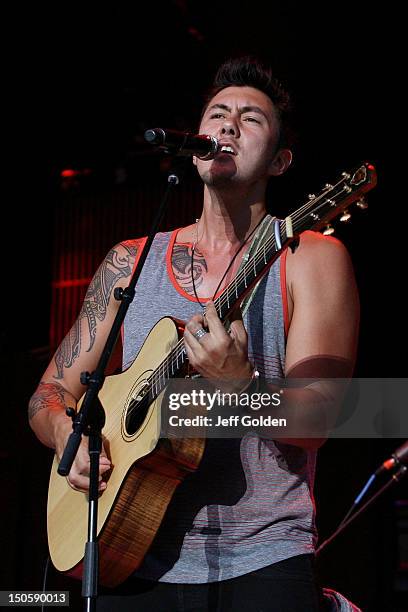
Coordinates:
(139,243)
(284,291)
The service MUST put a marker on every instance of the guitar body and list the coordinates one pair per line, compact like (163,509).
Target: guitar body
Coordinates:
(144,476)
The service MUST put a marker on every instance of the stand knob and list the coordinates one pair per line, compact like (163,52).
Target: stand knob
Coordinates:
(84,378)
(118,294)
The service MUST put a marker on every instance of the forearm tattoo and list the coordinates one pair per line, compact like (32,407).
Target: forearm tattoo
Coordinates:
(45,395)
(181,262)
(115,266)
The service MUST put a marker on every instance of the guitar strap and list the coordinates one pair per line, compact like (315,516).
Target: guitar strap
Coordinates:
(265,230)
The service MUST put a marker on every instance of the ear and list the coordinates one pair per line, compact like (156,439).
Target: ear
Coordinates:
(194,160)
(280,162)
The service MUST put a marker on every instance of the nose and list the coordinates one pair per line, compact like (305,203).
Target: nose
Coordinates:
(230,127)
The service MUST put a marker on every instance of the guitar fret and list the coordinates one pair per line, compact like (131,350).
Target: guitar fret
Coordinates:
(160,378)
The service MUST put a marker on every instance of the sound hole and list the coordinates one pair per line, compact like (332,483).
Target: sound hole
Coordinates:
(137,411)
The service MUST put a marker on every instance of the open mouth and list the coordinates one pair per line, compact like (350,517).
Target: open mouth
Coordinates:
(226,149)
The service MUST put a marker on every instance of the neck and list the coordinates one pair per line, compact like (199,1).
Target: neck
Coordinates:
(226,222)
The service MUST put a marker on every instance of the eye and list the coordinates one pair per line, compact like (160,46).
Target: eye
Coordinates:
(251,119)
(217,116)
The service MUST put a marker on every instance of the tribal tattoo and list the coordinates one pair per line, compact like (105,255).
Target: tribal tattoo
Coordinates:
(115,266)
(181,262)
(45,395)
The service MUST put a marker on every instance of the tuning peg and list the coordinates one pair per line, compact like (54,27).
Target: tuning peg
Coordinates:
(311,196)
(345,216)
(362,204)
(329,230)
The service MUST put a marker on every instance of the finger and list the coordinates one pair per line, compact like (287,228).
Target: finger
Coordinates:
(83,464)
(84,489)
(214,323)
(104,468)
(77,482)
(195,350)
(236,314)
(238,331)
(80,482)
(237,327)
(196,322)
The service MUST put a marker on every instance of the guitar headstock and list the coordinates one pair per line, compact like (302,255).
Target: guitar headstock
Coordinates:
(334,200)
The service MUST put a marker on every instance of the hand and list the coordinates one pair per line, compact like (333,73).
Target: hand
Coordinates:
(78,477)
(219,355)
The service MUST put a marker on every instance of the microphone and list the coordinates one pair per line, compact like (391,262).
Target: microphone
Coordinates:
(398,457)
(183,143)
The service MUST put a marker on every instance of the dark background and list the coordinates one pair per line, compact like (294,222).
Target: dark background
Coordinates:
(83,83)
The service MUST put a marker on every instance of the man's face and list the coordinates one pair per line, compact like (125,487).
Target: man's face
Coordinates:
(243,119)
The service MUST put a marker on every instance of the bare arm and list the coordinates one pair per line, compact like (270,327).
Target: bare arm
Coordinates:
(323,332)
(60,386)
(323,305)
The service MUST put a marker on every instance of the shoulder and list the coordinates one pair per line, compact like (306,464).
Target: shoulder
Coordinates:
(125,252)
(118,263)
(316,249)
(318,259)
(130,247)
(187,235)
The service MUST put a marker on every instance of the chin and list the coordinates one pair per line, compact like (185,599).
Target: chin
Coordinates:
(219,178)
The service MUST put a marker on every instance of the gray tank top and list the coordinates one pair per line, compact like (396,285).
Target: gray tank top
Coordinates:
(250,502)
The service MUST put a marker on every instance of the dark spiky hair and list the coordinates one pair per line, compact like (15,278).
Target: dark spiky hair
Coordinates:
(249,71)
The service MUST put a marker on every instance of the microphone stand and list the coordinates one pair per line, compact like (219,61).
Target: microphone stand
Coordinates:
(91,417)
(394,479)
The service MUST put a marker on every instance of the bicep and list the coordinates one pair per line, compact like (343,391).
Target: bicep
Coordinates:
(325,318)
(82,346)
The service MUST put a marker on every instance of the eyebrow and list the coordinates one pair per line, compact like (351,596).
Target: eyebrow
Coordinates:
(242,110)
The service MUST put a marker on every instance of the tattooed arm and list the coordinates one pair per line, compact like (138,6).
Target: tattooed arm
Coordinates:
(99,300)
(60,386)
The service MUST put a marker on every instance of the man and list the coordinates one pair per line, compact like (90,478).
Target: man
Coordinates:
(239,533)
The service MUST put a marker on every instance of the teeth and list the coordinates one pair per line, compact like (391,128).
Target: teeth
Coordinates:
(227,149)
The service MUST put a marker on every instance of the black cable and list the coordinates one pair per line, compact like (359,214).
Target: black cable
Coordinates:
(394,479)
(44,585)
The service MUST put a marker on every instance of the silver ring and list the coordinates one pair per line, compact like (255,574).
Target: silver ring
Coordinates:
(199,333)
